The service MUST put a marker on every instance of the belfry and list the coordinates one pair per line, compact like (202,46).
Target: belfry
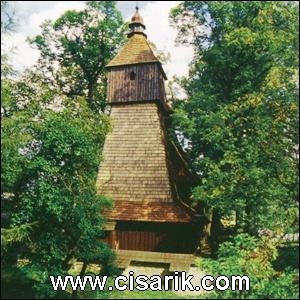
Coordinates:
(142,172)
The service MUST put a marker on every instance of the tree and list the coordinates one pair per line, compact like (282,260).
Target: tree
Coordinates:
(240,118)
(51,147)
(76,48)
(49,163)
(48,188)
(8,20)
(246,255)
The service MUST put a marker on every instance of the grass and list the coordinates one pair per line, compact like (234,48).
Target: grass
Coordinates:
(115,294)
(14,285)
(131,295)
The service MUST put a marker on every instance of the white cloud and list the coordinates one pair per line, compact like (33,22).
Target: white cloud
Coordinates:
(155,15)
(158,29)
(36,19)
(23,55)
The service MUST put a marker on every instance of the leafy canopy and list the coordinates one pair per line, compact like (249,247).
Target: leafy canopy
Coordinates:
(240,118)
(51,141)
(245,255)
(76,48)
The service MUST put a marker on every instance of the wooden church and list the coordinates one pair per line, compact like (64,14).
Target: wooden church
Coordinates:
(144,173)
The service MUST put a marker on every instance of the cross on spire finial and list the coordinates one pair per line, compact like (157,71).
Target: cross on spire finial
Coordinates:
(137,6)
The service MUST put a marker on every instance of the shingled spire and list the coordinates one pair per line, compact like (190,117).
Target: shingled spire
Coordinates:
(137,171)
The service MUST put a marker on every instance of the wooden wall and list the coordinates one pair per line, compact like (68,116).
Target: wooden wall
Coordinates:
(157,237)
(138,240)
(147,85)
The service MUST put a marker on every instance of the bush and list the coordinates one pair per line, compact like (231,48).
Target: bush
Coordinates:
(247,255)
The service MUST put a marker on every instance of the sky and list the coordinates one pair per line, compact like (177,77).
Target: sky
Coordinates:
(31,14)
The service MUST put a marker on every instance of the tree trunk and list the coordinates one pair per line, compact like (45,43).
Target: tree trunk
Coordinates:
(205,240)
(211,231)
(248,226)
(215,231)
(91,96)
(82,272)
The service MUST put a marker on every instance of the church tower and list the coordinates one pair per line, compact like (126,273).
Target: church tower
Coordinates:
(145,175)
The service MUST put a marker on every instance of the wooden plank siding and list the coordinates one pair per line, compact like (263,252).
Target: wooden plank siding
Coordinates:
(138,240)
(156,237)
(148,84)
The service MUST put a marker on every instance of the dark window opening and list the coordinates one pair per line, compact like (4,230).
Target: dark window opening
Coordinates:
(132,75)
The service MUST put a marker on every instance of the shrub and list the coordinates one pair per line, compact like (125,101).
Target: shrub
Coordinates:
(247,255)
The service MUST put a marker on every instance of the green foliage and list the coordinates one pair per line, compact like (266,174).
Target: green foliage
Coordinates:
(9,277)
(245,255)
(51,147)
(15,234)
(11,240)
(48,179)
(76,48)
(240,119)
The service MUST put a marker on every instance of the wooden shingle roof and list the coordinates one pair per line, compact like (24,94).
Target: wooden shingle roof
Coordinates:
(136,50)
(134,166)
(148,211)
(137,170)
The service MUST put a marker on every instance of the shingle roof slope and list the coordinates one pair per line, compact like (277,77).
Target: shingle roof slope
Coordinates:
(135,50)
(148,211)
